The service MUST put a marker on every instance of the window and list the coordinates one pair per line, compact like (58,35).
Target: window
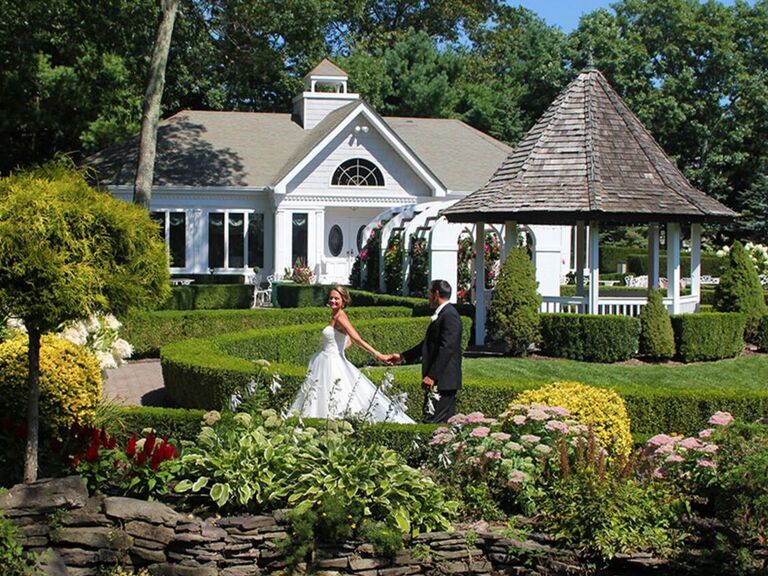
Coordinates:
(299,237)
(359,240)
(335,240)
(173,229)
(235,238)
(357,172)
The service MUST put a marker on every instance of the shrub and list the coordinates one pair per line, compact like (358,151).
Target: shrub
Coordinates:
(70,380)
(393,264)
(12,558)
(740,290)
(708,335)
(513,316)
(589,338)
(657,339)
(762,334)
(602,410)
(148,331)
(209,297)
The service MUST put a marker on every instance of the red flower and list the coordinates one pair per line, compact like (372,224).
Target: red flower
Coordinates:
(131,449)
(149,444)
(141,459)
(92,453)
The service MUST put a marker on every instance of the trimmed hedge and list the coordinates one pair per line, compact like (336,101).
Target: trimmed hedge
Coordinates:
(205,373)
(762,334)
(300,295)
(176,423)
(148,331)
(589,338)
(638,264)
(708,335)
(209,297)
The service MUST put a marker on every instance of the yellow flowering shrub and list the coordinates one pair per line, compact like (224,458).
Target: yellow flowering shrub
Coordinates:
(601,409)
(70,380)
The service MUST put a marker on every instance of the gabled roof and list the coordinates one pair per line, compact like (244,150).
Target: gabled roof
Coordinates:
(587,158)
(256,150)
(326,68)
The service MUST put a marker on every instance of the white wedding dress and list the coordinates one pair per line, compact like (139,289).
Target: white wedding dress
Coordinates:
(335,388)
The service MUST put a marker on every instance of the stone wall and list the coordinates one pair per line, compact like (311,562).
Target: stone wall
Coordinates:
(80,535)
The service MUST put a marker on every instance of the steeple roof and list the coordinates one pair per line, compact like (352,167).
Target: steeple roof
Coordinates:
(327,68)
(588,158)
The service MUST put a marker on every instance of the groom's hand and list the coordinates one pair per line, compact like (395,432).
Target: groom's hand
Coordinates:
(427,383)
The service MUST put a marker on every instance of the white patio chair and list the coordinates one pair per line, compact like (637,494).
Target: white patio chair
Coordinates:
(263,296)
(764,279)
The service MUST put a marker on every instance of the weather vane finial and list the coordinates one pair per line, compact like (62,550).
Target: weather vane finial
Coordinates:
(590,57)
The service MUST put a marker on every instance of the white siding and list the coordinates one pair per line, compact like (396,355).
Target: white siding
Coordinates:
(399,177)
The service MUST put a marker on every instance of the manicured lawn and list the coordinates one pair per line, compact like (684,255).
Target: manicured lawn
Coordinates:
(747,372)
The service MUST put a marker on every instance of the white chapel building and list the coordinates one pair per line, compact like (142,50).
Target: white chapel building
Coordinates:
(235,190)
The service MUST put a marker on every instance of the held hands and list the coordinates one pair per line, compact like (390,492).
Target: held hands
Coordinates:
(391,359)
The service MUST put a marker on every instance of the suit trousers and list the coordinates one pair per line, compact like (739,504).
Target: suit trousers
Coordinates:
(444,408)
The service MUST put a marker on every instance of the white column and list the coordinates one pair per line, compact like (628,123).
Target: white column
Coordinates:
(653,255)
(696,263)
(480,310)
(443,254)
(546,258)
(282,241)
(316,241)
(510,238)
(386,232)
(594,266)
(581,256)
(673,265)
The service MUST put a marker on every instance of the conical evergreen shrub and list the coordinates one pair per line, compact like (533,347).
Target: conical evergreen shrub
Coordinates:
(657,339)
(739,289)
(513,316)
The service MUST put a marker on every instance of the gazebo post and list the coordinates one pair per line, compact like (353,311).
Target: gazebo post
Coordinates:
(673,265)
(594,266)
(581,256)
(480,310)
(696,263)
(510,238)
(653,255)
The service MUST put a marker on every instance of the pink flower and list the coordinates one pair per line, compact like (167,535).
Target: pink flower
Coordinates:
(475,418)
(661,440)
(530,438)
(557,426)
(691,443)
(543,449)
(441,430)
(721,419)
(705,463)
(710,448)
(659,473)
(517,477)
(519,420)
(457,419)
(493,455)
(458,446)
(500,436)
(706,433)
(537,414)
(672,458)
(480,432)
(665,449)
(558,411)
(514,446)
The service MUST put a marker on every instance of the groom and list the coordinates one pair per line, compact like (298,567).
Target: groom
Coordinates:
(440,354)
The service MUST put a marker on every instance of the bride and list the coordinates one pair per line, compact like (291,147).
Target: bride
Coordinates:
(334,387)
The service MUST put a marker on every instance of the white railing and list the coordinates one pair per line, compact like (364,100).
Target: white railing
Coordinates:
(618,305)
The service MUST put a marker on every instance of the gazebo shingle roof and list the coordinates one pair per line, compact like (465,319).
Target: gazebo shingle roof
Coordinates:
(588,158)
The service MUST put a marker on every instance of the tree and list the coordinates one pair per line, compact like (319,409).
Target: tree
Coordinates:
(67,251)
(513,316)
(145,170)
(739,289)
(657,339)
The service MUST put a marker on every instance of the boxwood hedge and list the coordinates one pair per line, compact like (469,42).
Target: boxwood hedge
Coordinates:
(205,373)
(148,331)
(708,335)
(588,337)
(301,295)
(209,297)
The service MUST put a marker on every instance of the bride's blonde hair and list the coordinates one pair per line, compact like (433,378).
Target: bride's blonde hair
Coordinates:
(346,299)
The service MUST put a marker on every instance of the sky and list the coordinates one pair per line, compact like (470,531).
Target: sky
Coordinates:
(565,14)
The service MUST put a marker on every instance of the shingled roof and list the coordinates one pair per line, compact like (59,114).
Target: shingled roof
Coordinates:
(588,158)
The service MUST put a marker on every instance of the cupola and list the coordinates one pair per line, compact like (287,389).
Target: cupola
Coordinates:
(325,90)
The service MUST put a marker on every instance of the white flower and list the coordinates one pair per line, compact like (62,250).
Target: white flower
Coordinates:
(433,317)
(110,321)
(106,359)
(276,383)
(122,349)
(16,325)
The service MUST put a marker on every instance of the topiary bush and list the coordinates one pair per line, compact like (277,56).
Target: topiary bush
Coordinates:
(209,297)
(762,334)
(70,381)
(708,335)
(740,290)
(513,316)
(601,409)
(588,337)
(657,339)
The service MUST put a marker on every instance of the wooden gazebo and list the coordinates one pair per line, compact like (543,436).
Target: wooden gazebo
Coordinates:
(588,160)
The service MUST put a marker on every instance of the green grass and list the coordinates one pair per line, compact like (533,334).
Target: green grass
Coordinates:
(748,373)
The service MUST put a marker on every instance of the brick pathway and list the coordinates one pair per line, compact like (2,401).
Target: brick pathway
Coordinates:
(136,383)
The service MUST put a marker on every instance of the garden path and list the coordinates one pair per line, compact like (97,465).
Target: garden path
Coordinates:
(136,383)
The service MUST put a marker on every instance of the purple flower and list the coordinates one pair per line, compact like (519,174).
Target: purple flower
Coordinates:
(480,432)
(721,418)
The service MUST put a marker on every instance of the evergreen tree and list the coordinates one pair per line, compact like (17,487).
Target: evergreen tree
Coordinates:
(513,316)
(657,339)
(739,289)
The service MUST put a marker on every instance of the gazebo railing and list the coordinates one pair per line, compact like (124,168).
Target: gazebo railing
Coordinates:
(619,305)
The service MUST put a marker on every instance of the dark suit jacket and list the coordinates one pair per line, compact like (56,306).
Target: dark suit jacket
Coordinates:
(440,351)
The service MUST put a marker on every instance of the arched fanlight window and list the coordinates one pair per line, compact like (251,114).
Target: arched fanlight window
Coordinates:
(358,172)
